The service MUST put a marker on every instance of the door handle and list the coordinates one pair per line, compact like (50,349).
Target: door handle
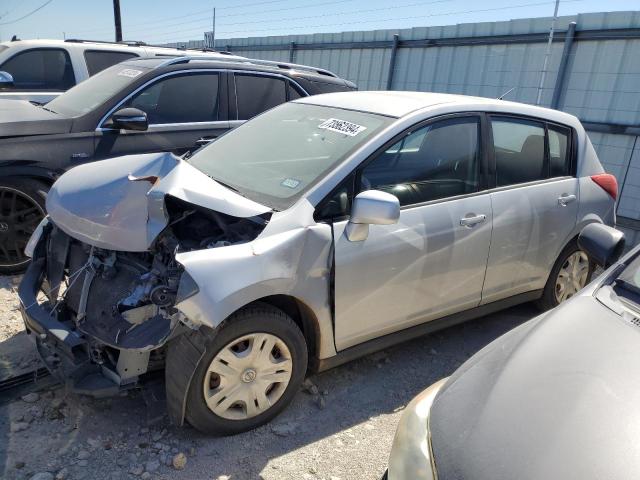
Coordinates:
(471,220)
(204,141)
(565,199)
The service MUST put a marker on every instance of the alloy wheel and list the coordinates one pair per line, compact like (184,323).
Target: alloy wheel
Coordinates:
(248,376)
(572,276)
(19,217)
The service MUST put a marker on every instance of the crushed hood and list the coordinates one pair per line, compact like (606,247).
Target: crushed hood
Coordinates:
(21,118)
(556,398)
(118,204)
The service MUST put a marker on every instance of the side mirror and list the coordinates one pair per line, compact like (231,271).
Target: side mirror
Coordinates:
(602,243)
(372,207)
(128,119)
(6,80)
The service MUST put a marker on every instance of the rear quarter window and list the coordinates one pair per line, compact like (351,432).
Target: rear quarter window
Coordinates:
(98,60)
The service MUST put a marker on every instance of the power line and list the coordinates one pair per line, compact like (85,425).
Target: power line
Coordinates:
(419,4)
(409,18)
(244,14)
(28,14)
(199,13)
(359,22)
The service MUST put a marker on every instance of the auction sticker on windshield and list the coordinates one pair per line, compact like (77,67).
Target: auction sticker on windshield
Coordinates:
(129,72)
(342,126)
(290,182)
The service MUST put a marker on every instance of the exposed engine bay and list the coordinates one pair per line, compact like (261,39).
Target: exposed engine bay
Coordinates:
(123,303)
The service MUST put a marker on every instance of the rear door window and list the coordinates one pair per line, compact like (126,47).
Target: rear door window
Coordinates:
(180,99)
(47,69)
(257,93)
(519,148)
(98,60)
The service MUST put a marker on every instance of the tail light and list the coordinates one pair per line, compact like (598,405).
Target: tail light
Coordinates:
(608,183)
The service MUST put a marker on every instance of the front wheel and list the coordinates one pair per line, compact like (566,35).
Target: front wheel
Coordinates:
(572,271)
(252,367)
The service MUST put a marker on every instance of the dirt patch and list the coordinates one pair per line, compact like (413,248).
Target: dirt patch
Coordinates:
(17,354)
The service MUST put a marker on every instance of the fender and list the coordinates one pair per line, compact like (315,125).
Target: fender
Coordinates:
(294,263)
(28,169)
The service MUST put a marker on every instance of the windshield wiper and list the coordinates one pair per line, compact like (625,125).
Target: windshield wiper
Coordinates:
(628,292)
(226,185)
(41,105)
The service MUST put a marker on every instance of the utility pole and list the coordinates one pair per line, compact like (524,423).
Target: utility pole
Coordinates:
(116,20)
(547,54)
(213,30)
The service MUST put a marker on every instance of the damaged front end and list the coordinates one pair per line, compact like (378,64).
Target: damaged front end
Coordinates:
(102,316)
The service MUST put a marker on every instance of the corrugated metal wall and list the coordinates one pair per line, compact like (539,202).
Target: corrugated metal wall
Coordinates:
(601,83)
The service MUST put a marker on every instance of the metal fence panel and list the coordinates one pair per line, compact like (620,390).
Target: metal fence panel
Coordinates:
(601,81)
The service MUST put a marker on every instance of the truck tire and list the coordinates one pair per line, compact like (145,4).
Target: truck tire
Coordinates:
(252,366)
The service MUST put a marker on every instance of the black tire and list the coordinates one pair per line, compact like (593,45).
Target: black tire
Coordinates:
(22,206)
(548,299)
(257,318)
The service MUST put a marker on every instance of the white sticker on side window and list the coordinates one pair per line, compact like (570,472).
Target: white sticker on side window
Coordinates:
(129,72)
(342,126)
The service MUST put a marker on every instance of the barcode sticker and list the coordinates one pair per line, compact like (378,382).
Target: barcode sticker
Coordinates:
(342,126)
(129,72)
(290,183)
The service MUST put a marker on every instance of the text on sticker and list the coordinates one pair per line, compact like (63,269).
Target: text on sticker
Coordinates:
(129,72)
(342,126)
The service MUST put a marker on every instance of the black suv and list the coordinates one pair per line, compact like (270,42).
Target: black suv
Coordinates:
(148,105)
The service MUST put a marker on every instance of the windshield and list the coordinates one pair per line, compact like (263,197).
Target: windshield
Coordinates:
(274,158)
(96,90)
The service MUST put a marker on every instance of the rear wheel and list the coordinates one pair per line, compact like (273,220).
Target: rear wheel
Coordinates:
(251,370)
(22,207)
(572,271)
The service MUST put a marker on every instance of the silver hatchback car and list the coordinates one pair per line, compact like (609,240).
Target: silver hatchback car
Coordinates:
(319,231)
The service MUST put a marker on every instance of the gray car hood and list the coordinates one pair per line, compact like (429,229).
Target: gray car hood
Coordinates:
(118,204)
(556,398)
(20,118)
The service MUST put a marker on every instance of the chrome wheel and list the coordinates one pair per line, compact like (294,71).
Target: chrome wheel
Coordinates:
(572,276)
(247,376)
(19,217)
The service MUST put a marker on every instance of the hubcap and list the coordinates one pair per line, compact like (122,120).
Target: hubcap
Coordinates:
(19,217)
(247,376)
(572,276)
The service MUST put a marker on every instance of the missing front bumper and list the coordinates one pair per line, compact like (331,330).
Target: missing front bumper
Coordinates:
(91,360)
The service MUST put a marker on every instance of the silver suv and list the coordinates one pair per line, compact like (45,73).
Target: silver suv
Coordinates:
(320,231)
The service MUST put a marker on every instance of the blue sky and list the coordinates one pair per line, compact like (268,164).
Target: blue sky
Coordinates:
(161,21)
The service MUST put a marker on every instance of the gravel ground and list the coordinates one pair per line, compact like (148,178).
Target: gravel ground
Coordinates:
(339,427)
